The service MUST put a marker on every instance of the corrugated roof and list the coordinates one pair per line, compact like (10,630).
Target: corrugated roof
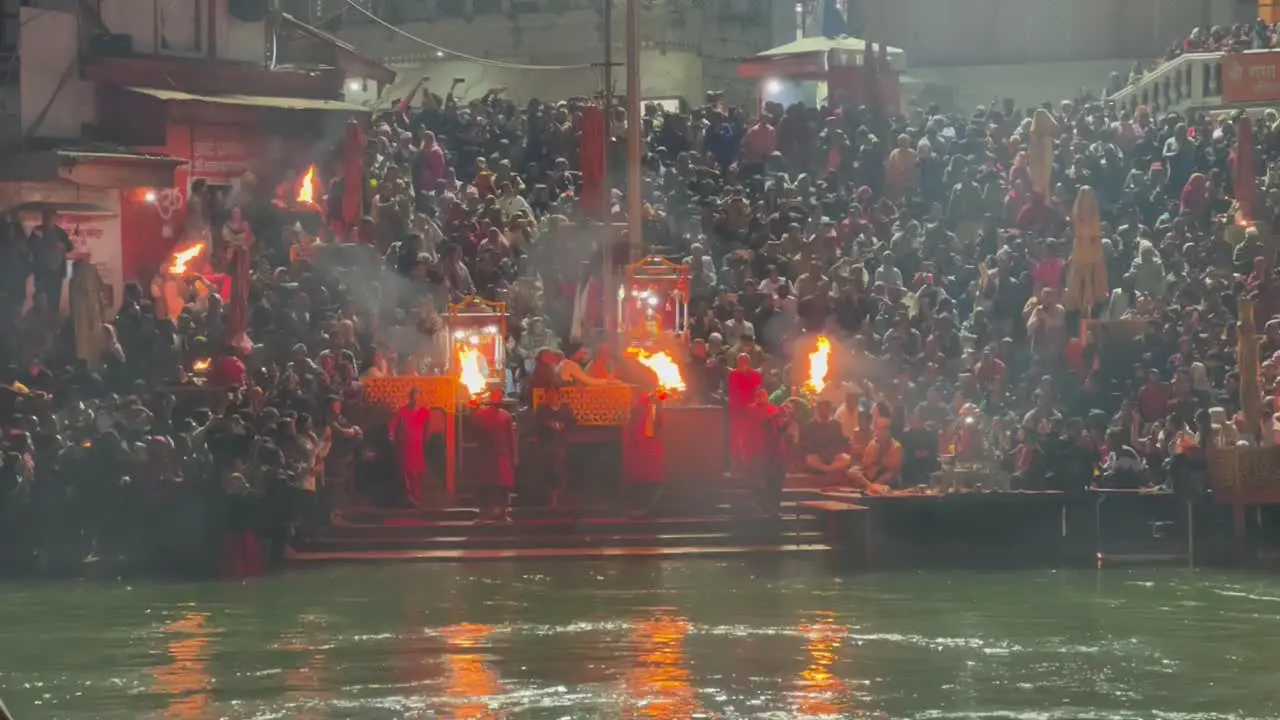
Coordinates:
(282,103)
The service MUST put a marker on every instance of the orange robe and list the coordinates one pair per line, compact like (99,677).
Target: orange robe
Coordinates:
(644,455)
(743,428)
(410,429)
(496,463)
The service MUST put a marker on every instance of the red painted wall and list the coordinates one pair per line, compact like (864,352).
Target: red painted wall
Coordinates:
(216,153)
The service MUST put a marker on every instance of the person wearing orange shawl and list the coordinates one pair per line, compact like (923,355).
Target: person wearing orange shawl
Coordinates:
(1195,199)
(496,461)
(882,460)
(742,383)
(900,170)
(484,182)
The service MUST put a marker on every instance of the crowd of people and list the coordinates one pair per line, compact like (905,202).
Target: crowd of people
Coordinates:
(933,250)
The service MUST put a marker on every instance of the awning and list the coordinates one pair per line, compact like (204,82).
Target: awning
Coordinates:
(279,103)
(91,168)
(349,59)
(812,56)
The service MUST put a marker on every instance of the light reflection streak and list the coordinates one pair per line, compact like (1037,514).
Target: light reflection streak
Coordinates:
(185,679)
(307,682)
(819,689)
(469,676)
(660,684)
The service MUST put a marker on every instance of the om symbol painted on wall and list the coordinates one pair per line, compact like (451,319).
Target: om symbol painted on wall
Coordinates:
(168,202)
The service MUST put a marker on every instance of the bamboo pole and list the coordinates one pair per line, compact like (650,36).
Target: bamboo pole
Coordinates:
(635,126)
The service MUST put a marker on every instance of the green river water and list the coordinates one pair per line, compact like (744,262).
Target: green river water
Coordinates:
(767,638)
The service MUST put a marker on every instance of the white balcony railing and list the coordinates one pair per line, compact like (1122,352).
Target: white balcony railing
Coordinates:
(1184,83)
(1187,82)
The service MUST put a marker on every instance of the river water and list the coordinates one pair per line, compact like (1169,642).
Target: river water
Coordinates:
(767,638)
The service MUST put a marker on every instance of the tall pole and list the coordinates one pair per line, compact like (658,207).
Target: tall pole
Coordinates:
(608,275)
(607,18)
(635,124)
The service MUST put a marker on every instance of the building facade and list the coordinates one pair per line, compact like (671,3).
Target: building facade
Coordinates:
(960,52)
(114,107)
(689,47)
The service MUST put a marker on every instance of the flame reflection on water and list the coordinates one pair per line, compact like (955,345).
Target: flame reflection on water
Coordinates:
(186,679)
(820,690)
(469,677)
(660,686)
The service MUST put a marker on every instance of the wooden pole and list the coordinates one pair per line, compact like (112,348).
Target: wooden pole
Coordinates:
(635,126)
(608,274)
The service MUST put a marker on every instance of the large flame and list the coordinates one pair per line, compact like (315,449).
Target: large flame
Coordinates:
(307,188)
(472,373)
(663,366)
(183,257)
(819,366)
(201,365)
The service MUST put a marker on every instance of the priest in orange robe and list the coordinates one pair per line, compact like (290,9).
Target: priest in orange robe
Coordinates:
(496,458)
(742,383)
(410,427)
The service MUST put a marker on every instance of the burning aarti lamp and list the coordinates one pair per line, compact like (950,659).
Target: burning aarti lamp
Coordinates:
(300,202)
(478,337)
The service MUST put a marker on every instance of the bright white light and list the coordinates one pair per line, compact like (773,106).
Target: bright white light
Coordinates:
(459,334)
(150,196)
(439,53)
(653,301)
(353,85)
(772,87)
(474,339)
(799,7)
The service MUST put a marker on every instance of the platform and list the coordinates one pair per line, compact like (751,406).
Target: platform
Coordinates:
(457,534)
(1021,528)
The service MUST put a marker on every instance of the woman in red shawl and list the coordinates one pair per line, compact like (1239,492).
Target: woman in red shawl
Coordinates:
(496,459)
(1019,197)
(742,383)
(1020,170)
(1037,218)
(1195,199)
